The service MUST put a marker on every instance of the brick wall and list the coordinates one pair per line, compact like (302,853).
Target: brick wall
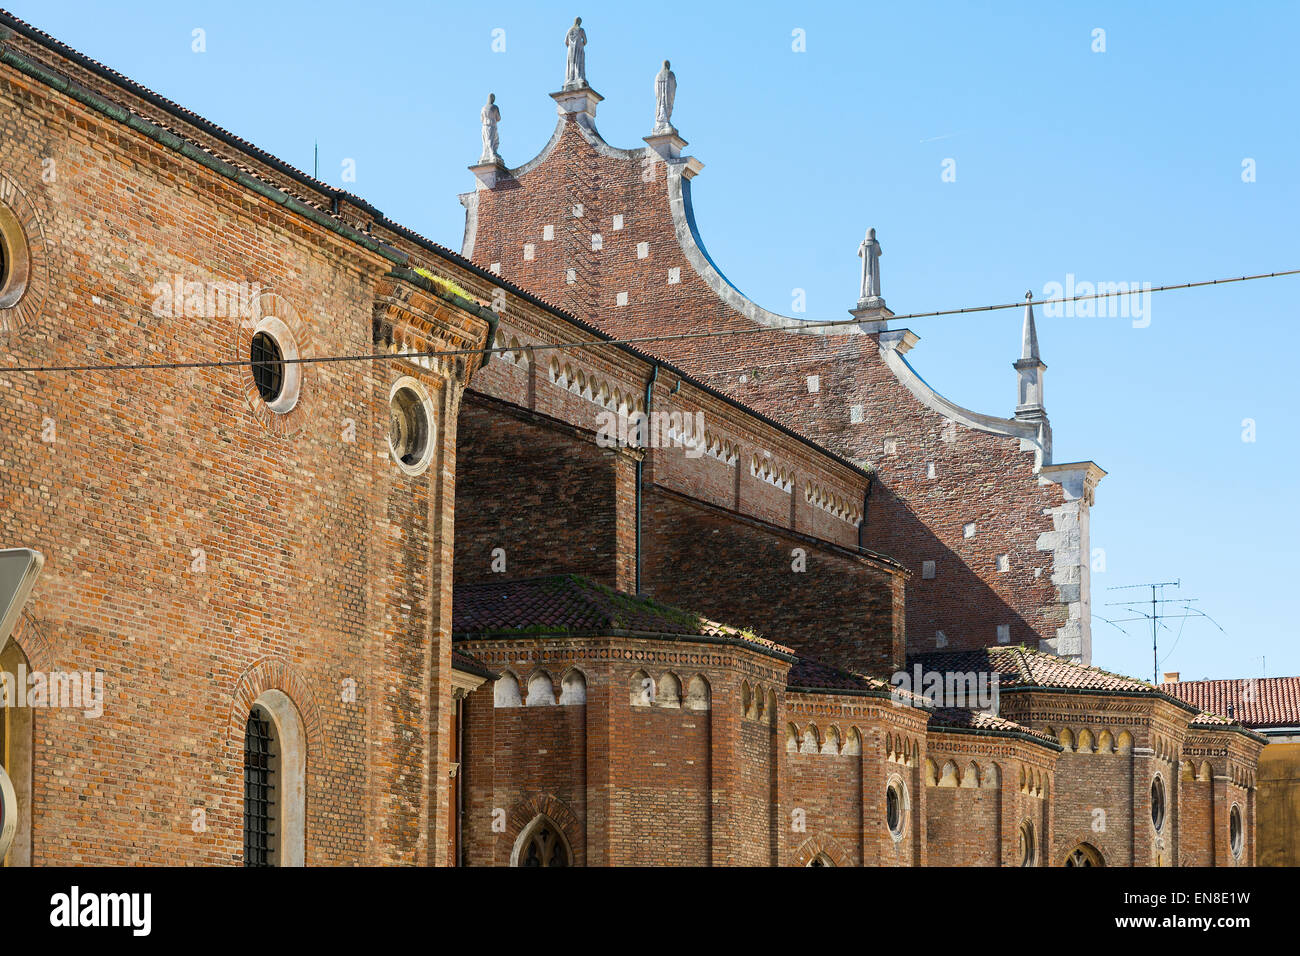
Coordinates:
(692,553)
(544,494)
(643,281)
(200,549)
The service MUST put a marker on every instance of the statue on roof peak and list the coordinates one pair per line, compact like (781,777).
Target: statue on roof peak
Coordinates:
(490,116)
(665,93)
(870,253)
(575,61)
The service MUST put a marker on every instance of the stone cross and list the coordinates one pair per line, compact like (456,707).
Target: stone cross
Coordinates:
(490,115)
(870,253)
(665,93)
(575,61)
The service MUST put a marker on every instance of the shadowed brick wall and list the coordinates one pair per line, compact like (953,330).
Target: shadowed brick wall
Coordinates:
(843,608)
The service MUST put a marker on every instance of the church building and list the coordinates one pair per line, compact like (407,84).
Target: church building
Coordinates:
(504,588)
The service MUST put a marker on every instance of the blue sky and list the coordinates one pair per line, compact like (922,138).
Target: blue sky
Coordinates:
(1122,165)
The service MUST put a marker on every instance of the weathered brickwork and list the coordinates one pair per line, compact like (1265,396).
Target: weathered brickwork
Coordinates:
(208,552)
(1022,576)
(200,549)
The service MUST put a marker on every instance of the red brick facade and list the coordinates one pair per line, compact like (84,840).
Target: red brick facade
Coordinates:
(608,234)
(211,552)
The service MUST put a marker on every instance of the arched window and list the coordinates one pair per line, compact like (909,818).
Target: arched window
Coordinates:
(542,844)
(641,690)
(821,859)
(541,690)
(1028,849)
(697,693)
(573,688)
(1085,854)
(275,783)
(505,692)
(16,758)
(670,691)
(1236,832)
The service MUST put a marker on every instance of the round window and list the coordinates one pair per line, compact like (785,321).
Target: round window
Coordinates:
(1236,832)
(410,426)
(1027,849)
(896,808)
(1158,803)
(273,355)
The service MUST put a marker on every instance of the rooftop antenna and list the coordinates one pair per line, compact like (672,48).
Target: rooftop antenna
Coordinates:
(1156,615)
(315,162)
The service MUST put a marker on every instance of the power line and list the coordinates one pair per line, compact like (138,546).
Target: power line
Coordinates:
(639,340)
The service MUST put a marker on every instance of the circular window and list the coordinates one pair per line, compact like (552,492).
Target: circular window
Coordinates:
(1236,832)
(896,808)
(410,426)
(13,259)
(1158,803)
(1028,852)
(272,353)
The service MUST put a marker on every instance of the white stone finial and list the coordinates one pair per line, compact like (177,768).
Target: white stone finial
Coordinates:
(490,116)
(575,60)
(1029,333)
(1029,370)
(665,93)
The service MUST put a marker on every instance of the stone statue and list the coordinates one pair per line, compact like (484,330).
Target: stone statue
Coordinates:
(870,252)
(575,63)
(490,115)
(665,93)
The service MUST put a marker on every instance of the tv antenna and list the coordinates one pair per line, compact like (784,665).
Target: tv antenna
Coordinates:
(1156,615)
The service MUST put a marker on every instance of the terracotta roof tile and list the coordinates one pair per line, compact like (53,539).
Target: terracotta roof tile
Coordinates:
(980,720)
(1019,666)
(1254,701)
(566,603)
(816,675)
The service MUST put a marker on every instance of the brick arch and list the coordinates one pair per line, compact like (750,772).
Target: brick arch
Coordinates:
(29,635)
(557,811)
(1065,843)
(272,673)
(814,846)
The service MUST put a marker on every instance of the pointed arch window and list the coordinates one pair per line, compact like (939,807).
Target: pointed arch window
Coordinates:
(543,845)
(1084,855)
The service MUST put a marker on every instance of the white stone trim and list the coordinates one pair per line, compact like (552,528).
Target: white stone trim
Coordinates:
(291,758)
(288,345)
(416,387)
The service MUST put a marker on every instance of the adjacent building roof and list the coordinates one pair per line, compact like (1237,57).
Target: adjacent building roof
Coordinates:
(978,721)
(1019,666)
(1261,702)
(569,604)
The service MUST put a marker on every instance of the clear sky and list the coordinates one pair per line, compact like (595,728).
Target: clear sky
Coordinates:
(1127,165)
